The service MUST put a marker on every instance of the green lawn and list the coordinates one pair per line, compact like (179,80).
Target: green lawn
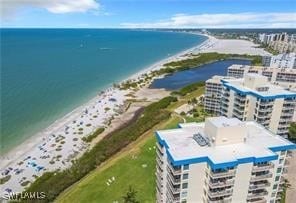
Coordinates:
(127,170)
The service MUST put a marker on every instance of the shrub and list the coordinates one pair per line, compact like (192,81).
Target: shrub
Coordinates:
(90,137)
(108,146)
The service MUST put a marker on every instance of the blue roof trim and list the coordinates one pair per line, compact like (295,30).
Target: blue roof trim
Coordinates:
(283,148)
(225,83)
(160,141)
(225,165)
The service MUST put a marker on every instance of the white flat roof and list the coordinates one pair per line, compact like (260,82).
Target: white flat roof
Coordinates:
(273,90)
(181,145)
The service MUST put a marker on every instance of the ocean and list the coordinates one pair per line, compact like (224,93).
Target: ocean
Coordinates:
(46,73)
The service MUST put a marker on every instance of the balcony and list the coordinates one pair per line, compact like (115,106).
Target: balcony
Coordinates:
(258,200)
(159,162)
(240,101)
(261,177)
(221,193)
(222,174)
(175,181)
(224,200)
(174,190)
(173,170)
(262,167)
(256,195)
(220,184)
(257,186)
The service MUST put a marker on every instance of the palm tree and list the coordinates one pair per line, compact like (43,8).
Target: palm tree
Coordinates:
(130,196)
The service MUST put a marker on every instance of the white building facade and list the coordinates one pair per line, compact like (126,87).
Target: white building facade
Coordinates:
(221,160)
(252,98)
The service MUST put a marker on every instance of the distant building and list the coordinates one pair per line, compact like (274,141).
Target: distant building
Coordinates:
(281,42)
(283,60)
(213,94)
(281,76)
(252,98)
(220,160)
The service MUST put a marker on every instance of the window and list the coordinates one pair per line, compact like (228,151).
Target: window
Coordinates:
(185,176)
(183,201)
(184,185)
(279,170)
(277,178)
(275,186)
(283,152)
(186,167)
(281,161)
(184,195)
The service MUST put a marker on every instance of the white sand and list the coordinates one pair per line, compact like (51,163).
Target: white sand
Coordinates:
(42,150)
(234,46)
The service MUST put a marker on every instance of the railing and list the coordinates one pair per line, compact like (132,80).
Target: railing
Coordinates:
(261,177)
(175,181)
(259,186)
(220,193)
(221,184)
(264,167)
(225,200)
(222,174)
(256,195)
(174,171)
(173,189)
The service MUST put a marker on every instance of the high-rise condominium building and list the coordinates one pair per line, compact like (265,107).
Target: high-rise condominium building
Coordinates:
(252,98)
(287,60)
(221,160)
(281,76)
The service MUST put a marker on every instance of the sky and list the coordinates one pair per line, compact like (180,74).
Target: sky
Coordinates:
(148,13)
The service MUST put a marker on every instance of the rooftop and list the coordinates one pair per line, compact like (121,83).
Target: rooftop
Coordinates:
(257,145)
(258,86)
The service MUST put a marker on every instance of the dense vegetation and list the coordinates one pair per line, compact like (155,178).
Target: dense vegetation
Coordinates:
(55,182)
(204,58)
(90,137)
(292,132)
(189,88)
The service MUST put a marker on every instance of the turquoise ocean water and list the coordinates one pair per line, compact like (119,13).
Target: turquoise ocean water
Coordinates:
(46,73)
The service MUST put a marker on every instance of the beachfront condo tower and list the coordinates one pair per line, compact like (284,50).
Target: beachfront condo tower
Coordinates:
(252,98)
(221,160)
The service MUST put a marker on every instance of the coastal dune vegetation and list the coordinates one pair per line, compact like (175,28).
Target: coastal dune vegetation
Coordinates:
(57,181)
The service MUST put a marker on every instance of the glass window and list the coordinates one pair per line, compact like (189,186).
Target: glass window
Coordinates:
(186,167)
(281,161)
(184,201)
(184,194)
(275,186)
(283,152)
(277,178)
(185,176)
(279,170)
(184,185)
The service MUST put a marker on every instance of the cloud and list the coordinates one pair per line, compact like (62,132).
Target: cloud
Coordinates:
(222,20)
(10,7)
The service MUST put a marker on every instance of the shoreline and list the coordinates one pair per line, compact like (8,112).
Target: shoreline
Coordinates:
(62,121)
(37,144)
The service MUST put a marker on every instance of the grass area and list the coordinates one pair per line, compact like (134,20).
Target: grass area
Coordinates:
(127,168)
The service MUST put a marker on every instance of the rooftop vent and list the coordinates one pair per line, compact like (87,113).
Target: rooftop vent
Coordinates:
(202,141)
(262,89)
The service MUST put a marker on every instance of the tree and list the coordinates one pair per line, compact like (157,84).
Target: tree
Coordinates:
(130,196)
(292,131)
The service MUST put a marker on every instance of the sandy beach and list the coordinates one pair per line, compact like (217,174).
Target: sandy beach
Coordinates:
(61,142)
